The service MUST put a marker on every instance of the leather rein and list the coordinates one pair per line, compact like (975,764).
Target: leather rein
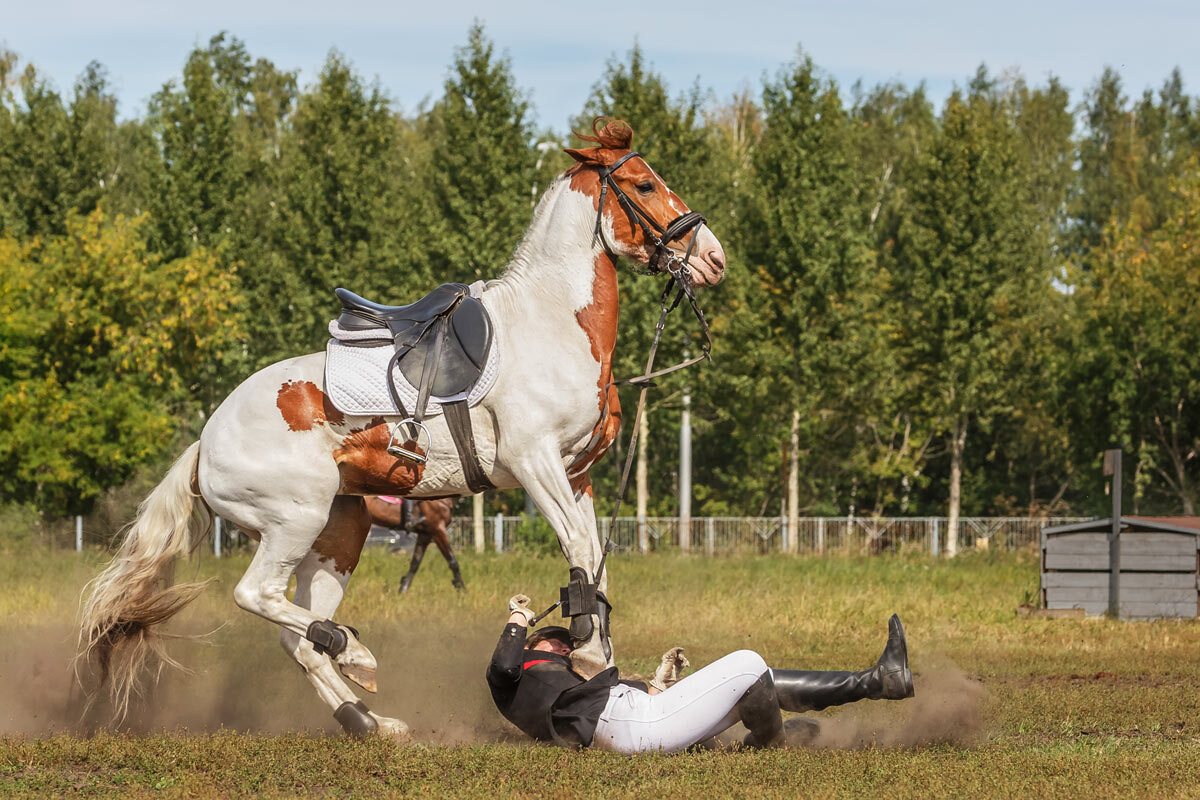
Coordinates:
(663,259)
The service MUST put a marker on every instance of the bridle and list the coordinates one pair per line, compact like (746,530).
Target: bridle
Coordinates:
(653,232)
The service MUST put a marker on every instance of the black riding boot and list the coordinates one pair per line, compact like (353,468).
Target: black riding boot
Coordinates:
(759,711)
(889,679)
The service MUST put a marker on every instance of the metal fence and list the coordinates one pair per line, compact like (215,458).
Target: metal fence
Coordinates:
(705,535)
(815,535)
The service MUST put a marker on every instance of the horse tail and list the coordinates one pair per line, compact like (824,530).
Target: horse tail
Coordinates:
(134,595)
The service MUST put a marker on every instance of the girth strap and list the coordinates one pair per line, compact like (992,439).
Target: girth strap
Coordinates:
(458,420)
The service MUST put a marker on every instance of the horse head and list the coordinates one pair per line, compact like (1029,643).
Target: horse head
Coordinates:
(638,216)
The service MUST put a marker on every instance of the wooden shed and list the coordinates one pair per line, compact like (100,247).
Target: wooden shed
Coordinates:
(1157,567)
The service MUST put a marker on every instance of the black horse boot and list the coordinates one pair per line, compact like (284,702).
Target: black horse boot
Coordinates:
(889,679)
(758,709)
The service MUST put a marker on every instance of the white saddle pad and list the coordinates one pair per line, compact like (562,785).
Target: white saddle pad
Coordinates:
(355,380)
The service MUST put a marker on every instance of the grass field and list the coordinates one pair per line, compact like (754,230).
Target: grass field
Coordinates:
(1007,706)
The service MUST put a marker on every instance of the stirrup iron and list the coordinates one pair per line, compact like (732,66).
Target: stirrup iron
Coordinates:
(397,450)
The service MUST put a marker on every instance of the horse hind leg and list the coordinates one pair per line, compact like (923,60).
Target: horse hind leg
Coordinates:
(263,589)
(443,543)
(415,564)
(320,588)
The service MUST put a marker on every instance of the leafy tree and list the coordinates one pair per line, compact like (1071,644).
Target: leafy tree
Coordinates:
(482,165)
(1137,380)
(219,135)
(338,218)
(818,289)
(966,260)
(104,341)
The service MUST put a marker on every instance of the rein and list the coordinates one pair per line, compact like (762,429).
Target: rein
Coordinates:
(665,260)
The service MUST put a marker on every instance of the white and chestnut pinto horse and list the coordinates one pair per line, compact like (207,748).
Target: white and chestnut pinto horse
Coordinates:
(278,460)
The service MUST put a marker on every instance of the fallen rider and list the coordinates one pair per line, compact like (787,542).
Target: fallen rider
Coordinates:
(534,688)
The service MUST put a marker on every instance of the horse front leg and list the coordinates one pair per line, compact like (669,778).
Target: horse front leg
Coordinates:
(571,514)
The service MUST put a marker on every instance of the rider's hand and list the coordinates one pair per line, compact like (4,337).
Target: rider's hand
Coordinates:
(519,604)
(674,662)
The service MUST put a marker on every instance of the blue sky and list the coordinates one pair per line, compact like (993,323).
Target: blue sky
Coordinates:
(558,51)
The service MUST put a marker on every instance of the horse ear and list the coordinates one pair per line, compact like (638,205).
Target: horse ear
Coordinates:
(587,156)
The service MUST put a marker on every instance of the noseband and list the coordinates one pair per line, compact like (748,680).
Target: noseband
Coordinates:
(663,259)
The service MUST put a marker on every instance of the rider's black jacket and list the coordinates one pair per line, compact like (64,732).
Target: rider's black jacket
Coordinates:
(538,692)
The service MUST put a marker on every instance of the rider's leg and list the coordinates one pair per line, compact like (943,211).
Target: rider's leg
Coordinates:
(415,564)
(889,679)
(732,689)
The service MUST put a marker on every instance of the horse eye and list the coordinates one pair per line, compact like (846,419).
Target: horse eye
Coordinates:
(646,187)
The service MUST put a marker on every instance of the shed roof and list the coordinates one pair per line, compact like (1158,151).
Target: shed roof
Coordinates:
(1189,525)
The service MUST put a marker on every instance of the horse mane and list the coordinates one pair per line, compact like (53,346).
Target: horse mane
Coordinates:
(616,134)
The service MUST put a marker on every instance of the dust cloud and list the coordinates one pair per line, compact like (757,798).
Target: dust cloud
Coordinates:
(947,709)
(430,676)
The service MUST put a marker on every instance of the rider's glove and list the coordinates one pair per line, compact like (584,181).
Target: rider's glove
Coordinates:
(674,662)
(519,604)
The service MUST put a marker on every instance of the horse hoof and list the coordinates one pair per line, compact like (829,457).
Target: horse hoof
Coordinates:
(587,665)
(363,676)
(392,727)
(355,718)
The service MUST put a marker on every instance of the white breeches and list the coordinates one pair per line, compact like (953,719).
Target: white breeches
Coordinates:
(698,707)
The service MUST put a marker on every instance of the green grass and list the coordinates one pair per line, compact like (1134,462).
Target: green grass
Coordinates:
(1007,706)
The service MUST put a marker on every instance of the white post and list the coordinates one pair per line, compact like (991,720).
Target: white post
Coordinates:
(783,528)
(820,535)
(685,472)
(78,533)
(710,536)
(498,534)
(934,545)
(217,537)
(477,521)
(793,487)
(640,479)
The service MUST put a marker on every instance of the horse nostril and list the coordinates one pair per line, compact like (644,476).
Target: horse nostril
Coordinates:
(716,257)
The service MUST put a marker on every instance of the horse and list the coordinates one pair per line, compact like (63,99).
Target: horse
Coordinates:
(430,526)
(281,462)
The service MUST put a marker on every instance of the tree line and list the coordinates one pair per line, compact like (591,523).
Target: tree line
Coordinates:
(927,310)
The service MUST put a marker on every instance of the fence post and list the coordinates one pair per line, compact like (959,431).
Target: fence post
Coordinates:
(820,535)
(78,533)
(477,521)
(498,534)
(934,545)
(783,533)
(217,537)
(710,536)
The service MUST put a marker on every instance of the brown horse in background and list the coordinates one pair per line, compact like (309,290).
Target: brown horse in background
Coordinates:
(432,518)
